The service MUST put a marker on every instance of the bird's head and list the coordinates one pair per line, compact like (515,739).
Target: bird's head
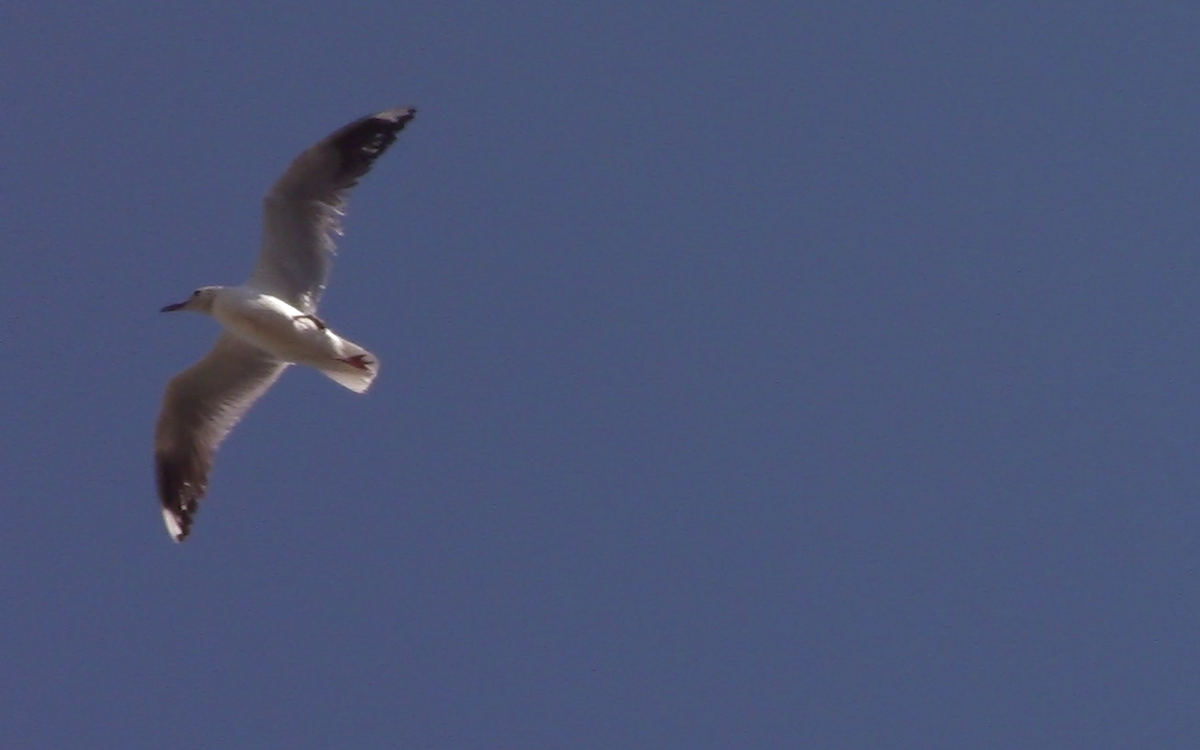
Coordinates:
(200,300)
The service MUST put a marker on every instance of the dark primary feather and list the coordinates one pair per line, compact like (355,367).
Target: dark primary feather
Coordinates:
(200,407)
(360,143)
(302,209)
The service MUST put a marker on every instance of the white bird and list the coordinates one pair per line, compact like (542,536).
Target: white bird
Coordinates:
(270,321)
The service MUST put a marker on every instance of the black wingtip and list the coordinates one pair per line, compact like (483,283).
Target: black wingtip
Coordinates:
(178,497)
(399,115)
(363,141)
(179,524)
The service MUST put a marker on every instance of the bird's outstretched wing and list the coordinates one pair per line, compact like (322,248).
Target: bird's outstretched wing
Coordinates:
(201,405)
(302,210)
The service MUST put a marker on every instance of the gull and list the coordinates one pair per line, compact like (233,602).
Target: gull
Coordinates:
(270,321)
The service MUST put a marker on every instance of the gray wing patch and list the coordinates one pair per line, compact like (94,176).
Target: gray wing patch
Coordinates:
(201,405)
(303,210)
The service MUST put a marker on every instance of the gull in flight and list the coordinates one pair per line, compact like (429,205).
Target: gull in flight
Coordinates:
(270,321)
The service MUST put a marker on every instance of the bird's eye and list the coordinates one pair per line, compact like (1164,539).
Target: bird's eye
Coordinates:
(196,293)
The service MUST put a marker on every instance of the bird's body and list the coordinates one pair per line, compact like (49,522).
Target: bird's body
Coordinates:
(291,336)
(270,321)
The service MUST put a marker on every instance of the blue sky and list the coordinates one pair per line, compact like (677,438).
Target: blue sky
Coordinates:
(771,375)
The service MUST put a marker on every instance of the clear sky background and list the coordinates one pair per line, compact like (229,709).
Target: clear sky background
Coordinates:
(755,375)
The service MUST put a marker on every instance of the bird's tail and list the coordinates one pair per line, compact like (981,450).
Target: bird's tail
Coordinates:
(353,366)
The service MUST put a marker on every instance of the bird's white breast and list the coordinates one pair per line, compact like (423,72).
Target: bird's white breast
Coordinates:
(272,325)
